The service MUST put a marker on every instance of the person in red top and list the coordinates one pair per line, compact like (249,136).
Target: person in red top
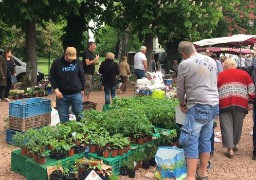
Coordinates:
(236,88)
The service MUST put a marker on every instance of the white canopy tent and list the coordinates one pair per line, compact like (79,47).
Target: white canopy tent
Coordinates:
(235,40)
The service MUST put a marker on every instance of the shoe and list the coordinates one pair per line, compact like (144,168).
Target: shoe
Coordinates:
(236,148)
(7,100)
(229,154)
(209,166)
(253,157)
(198,177)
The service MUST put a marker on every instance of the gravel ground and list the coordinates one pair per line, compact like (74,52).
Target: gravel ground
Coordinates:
(241,167)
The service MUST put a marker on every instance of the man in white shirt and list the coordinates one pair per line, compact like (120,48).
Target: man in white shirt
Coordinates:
(140,63)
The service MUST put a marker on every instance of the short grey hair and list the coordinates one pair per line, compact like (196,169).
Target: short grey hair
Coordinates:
(186,47)
(143,48)
(229,64)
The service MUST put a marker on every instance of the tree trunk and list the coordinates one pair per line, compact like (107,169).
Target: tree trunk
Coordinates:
(172,52)
(30,54)
(123,41)
(149,45)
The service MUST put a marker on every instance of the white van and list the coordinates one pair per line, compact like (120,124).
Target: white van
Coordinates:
(21,68)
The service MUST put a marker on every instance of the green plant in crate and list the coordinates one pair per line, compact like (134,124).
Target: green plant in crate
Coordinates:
(63,131)
(19,139)
(44,154)
(167,137)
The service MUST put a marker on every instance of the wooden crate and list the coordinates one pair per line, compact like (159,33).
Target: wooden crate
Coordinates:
(23,124)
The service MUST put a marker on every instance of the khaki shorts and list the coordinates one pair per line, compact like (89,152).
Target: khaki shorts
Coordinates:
(88,84)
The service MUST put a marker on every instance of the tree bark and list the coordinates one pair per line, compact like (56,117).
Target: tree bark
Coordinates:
(123,41)
(149,45)
(30,54)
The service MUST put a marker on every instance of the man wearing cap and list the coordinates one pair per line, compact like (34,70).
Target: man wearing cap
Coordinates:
(140,63)
(67,80)
(89,68)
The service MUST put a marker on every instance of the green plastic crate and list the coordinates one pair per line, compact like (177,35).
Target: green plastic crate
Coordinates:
(36,171)
(18,162)
(115,162)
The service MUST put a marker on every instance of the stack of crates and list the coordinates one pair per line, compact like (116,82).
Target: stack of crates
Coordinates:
(28,113)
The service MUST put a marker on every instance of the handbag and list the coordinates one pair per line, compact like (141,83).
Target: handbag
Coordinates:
(13,77)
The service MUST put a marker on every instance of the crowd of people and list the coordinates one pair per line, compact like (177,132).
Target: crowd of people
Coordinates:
(208,87)
(72,79)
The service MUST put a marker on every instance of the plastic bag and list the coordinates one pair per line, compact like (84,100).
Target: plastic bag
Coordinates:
(157,93)
(171,162)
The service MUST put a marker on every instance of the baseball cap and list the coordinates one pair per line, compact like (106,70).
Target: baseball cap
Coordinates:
(71,53)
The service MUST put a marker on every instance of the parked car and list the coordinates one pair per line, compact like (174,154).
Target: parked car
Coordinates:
(21,68)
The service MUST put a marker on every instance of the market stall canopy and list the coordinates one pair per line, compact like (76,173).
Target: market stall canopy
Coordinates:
(235,40)
(223,49)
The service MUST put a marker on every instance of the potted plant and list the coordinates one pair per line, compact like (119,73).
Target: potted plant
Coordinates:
(101,141)
(19,139)
(124,168)
(146,160)
(57,174)
(42,157)
(114,145)
(130,165)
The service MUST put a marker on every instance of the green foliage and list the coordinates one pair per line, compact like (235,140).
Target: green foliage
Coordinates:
(113,177)
(12,36)
(19,140)
(160,112)
(106,38)
(48,39)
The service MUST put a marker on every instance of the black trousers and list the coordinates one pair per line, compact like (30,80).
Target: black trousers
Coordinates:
(2,88)
(7,88)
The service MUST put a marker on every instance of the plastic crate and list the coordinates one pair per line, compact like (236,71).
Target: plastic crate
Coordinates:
(23,124)
(115,162)
(35,171)
(9,134)
(29,107)
(18,163)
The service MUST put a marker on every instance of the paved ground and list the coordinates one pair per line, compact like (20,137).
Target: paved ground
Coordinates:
(241,167)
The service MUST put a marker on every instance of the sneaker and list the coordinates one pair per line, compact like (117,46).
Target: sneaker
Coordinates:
(7,99)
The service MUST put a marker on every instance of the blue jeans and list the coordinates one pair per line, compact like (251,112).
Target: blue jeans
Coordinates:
(63,104)
(197,130)
(108,90)
(140,73)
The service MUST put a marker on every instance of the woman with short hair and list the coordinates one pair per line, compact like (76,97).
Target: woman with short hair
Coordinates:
(109,70)
(124,73)
(236,88)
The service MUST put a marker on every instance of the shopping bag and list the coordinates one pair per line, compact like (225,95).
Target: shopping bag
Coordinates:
(13,79)
(170,162)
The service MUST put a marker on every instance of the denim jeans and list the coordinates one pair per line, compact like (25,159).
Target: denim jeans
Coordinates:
(108,90)
(197,130)
(139,73)
(63,104)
